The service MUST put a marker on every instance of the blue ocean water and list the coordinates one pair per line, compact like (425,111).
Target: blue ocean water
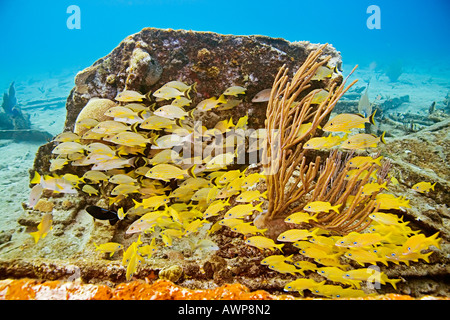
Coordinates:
(35,37)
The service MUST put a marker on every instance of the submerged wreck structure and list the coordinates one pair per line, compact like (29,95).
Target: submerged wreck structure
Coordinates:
(153,178)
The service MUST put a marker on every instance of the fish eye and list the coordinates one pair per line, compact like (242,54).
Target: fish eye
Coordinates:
(341,242)
(309,207)
(321,271)
(409,248)
(393,254)
(284,237)
(289,287)
(349,254)
(355,242)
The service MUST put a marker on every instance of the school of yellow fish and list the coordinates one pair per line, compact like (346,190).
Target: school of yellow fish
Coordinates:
(135,155)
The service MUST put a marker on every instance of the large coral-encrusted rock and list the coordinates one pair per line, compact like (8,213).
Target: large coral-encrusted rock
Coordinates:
(146,60)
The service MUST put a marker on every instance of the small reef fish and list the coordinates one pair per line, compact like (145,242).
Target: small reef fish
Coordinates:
(372,187)
(66,137)
(193,226)
(318,143)
(300,217)
(157,123)
(166,172)
(423,187)
(35,195)
(130,139)
(110,127)
(58,164)
(301,285)
(220,160)
(152,202)
(363,256)
(133,264)
(344,122)
(261,242)
(103,214)
(165,156)
(358,162)
(356,240)
(228,176)
(181,86)
(129,96)
(68,148)
(389,201)
(420,242)
(118,112)
(251,195)
(167,93)
(337,275)
(122,179)
(123,189)
(170,141)
(90,190)
(210,103)
(204,244)
(364,106)
(322,73)
(242,210)
(100,148)
(321,206)
(109,247)
(230,222)
(234,91)
(363,141)
(386,218)
(319,97)
(275,259)
(95,176)
(57,185)
(283,267)
(171,112)
(148,249)
(262,96)
(306,265)
(113,164)
(372,275)
(252,179)
(43,227)
(293,235)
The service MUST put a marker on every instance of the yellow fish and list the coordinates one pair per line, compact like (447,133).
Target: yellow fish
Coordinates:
(284,267)
(300,217)
(363,256)
(420,242)
(157,123)
(90,190)
(389,201)
(58,164)
(386,218)
(43,227)
(193,226)
(95,176)
(358,162)
(252,179)
(306,265)
(242,210)
(363,141)
(242,123)
(370,274)
(122,179)
(110,127)
(149,249)
(167,93)
(337,275)
(261,242)
(201,194)
(109,247)
(130,139)
(251,195)
(344,122)
(228,176)
(293,235)
(119,112)
(247,228)
(166,172)
(170,140)
(68,148)
(317,143)
(66,137)
(357,240)
(352,173)
(133,264)
(319,97)
(220,160)
(370,188)
(321,206)
(230,222)
(122,189)
(181,86)
(210,103)
(423,186)
(275,259)
(322,72)
(152,202)
(171,112)
(234,91)
(165,156)
(302,284)
(129,96)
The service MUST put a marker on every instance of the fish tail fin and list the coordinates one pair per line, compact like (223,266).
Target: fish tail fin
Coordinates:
(134,126)
(191,113)
(372,117)
(279,246)
(148,95)
(36,178)
(190,171)
(314,217)
(264,194)
(97,247)
(35,236)
(377,161)
(258,206)
(432,186)
(137,204)
(289,258)
(393,282)
(336,207)
(382,137)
